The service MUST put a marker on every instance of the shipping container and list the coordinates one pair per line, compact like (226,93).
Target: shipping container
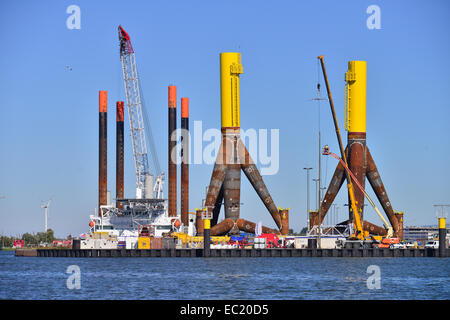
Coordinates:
(168,243)
(144,243)
(156,243)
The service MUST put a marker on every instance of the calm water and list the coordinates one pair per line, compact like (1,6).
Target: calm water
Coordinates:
(223,278)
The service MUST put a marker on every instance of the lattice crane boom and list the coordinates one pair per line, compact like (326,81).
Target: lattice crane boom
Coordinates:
(135,112)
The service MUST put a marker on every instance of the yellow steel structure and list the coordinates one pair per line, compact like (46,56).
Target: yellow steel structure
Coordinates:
(185,238)
(207,224)
(143,243)
(442,223)
(230,69)
(355,96)
(358,223)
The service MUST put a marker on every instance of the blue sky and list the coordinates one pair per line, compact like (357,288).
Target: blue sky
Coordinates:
(49,115)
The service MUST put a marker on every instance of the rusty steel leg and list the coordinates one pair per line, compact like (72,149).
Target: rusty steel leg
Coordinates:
(399,217)
(216,182)
(313,219)
(232,191)
(222,227)
(217,206)
(102,151)
(248,226)
(172,147)
(378,187)
(373,229)
(199,224)
(356,164)
(232,181)
(284,214)
(119,153)
(184,161)
(253,175)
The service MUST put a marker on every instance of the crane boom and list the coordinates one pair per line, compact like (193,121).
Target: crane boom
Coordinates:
(135,114)
(388,228)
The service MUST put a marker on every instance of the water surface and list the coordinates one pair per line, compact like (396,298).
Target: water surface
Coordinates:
(223,278)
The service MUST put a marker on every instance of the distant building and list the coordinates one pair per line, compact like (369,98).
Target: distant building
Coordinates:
(423,233)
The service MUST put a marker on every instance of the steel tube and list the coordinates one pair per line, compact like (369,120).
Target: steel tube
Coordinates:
(102,151)
(442,238)
(232,180)
(199,221)
(206,238)
(185,161)
(216,182)
(172,151)
(119,153)
(356,164)
(373,229)
(248,226)
(378,187)
(217,206)
(232,191)
(284,214)
(253,175)
(222,227)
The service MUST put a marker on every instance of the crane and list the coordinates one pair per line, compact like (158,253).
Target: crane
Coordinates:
(139,125)
(357,223)
(389,229)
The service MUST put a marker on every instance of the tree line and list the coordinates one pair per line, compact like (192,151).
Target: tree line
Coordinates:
(29,239)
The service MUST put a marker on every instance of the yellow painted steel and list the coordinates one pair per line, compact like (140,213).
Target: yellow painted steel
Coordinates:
(144,243)
(441,223)
(230,69)
(355,96)
(213,239)
(207,224)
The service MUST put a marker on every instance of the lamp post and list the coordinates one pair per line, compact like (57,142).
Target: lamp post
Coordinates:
(307,197)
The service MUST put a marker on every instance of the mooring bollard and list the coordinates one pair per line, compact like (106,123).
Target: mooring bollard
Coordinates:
(206,234)
(442,238)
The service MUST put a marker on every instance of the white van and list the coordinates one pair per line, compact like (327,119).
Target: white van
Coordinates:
(432,244)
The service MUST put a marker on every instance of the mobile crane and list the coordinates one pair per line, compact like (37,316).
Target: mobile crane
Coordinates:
(139,126)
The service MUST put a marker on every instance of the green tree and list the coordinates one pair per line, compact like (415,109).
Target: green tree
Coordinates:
(6,241)
(45,237)
(29,238)
(50,235)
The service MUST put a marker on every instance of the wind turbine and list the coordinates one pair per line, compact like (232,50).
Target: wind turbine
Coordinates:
(46,207)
